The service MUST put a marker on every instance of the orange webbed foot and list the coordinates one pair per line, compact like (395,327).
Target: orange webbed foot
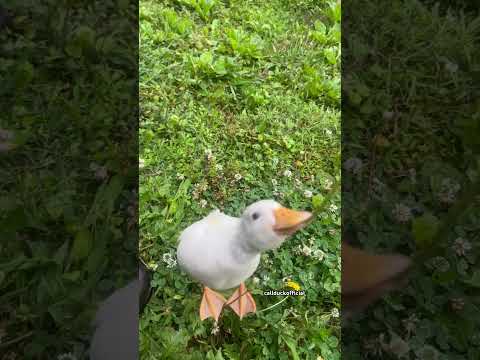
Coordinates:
(242,302)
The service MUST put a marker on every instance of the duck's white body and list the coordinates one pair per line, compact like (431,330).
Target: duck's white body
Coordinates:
(221,251)
(214,252)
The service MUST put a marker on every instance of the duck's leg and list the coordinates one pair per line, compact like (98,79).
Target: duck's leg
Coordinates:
(242,301)
(212,304)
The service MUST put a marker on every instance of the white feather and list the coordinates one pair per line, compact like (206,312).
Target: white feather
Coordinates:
(221,251)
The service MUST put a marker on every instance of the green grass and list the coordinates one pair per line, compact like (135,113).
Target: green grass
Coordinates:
(411,118)
(256,85)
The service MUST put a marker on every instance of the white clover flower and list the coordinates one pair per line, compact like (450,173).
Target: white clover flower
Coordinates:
(287,173)
(451,66)
(388,115)
(328,132)
(238,177)
(475,339)
(169,260)
(353,165)
(267,260)
(255,280)
(297,250)
(448,191)
(307,194)
(438,263)
(198,189)
(100,171)
(180,176)
(215,328)
(378,188)
(306,250)
(333,208)
(66,356)
(327,184)
(335,313)
(219,167)
(203,203)
(412,174)
(141,163)
(5,146)
(274,182)
(472,174)
(319,254)
(402,213)
(427,352)
(461,246)
(6,135)
(398,347)
(372,346)
(410,323)
(209,155)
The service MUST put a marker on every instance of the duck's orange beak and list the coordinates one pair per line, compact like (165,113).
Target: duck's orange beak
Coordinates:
(288,221)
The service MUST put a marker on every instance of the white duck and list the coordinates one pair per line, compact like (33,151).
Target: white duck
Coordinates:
(221,251)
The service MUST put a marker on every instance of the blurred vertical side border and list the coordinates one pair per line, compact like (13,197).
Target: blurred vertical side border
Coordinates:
(68,175)
(411,178)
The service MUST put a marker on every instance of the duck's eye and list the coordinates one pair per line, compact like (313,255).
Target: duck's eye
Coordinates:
(255,216)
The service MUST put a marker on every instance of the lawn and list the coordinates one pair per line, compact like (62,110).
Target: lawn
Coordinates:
(240,101)
(411,149)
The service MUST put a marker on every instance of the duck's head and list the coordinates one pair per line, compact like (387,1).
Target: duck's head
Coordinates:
(266,224)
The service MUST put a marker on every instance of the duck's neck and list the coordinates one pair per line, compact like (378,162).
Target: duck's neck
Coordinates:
(242,249)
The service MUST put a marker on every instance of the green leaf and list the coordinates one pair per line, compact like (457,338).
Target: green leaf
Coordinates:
(54,206)
(424,229)
(317,201)
(219,355)
(72,276)
(320,27)
(8,203)
(105,199)
(61,254)
(73,49)
(292,346)
(85,36)
(14,221)
(97,257)
(474,280)
(82,245)
(331,55)
(57,312)
(23,74)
